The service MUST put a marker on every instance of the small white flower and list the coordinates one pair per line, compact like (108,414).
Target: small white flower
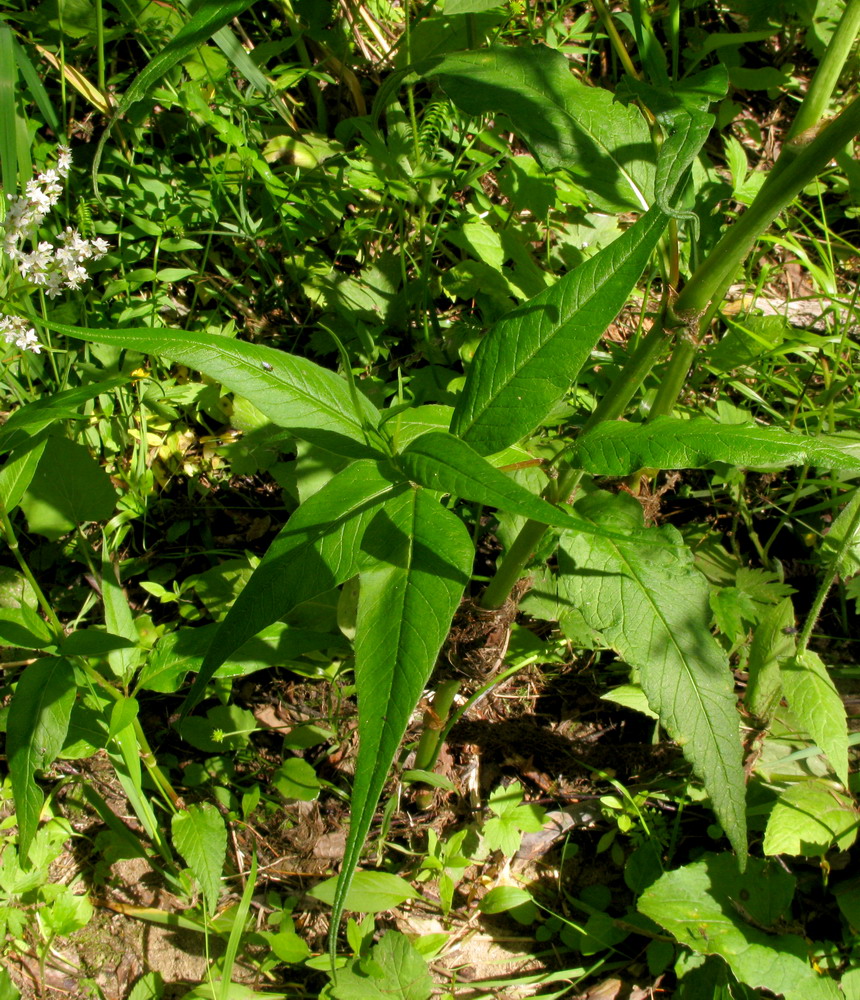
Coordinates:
(16,331)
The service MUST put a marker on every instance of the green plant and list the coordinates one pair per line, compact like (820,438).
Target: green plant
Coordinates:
(403,469)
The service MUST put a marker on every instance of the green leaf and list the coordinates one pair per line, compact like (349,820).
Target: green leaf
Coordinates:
(440,461)
(296,779)
(17,474)
(93,642)
(616,448)
(35,732)
(312,402)
(317,549)
(842,541)
(394,970)
(369,892)
(817,706)
(529,359)
(23,627)
(200,836)
(504,897)
(715,910)
(686,132)
(809,818)
(650,603)
(68,489)
(771,643)
(417,561)
(204,23)
(504,831)
(565,123)
(66,913)
(42,413)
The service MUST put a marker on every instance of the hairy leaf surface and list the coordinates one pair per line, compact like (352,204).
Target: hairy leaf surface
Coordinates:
(35,732)
(605,144)
(530,358)
(651,605)
(318,549)
(312,402)
(616,448)
(417,558)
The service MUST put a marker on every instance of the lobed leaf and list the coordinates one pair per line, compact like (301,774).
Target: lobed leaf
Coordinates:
(617,448)
(35,732)
(529,359)
(417,558)
(312,402)
(650,604)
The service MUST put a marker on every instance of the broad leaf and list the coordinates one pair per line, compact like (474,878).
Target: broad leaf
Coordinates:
(17,474)
(200,836)
(370,892)
(616,448)
(842,541)
(417,560)
(530,358)
(650,603)
(317,549)
(67,489)
(605,144)
(817,706)
(312,402)
(715,910)
(809,818)
(35,732)
(394,970)
(771,643)
(440,461)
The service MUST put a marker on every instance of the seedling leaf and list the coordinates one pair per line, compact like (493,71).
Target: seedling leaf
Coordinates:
(200,836)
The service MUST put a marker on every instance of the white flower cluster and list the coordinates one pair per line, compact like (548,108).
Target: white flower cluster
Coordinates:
(53,267)
(17,332)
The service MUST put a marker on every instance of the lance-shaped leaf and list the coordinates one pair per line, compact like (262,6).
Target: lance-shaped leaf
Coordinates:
(616,448)
(528,360)
(417,560)
(35,732)
(312,402)
(565,123)
(440,461)
(650,604)
(317,549)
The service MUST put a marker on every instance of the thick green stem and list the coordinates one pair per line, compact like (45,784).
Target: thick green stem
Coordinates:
(814,106)
(673,380)
(435,719)
(513,564)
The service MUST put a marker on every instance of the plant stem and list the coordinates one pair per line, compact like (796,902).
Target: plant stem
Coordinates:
(12,542)
(427,750)
(513,564)
(824,589)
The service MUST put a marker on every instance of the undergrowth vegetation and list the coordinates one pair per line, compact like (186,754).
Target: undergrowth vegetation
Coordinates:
(432,543)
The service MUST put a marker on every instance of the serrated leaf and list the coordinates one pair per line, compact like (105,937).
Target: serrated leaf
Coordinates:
(817,706)
(312,402)
(35,732)
(605,144)
(396,972)
(651,605)
(369,892)
(616,448)
(715,910)
(529,359)
(317,549)
(440,461)
(200,836)
(842,541)
(417,558)
(809,818)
